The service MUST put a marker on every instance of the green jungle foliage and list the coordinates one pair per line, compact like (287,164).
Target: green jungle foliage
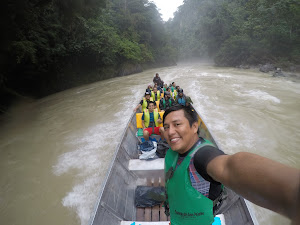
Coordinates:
(236,32)
(51,45)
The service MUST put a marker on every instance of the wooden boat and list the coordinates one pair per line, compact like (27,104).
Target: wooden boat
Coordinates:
(116,202)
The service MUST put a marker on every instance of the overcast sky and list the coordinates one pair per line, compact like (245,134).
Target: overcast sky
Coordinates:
(167,7)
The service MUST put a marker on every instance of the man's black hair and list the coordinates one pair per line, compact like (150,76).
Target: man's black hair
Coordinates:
(150,102)
(190,114)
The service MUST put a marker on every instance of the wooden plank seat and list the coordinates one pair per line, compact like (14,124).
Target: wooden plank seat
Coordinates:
(143,165)
(152,171)
(221,216)
(155,213)
(138,222)
(145,223)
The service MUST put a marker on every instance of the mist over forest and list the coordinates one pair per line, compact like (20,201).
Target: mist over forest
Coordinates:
(50,45)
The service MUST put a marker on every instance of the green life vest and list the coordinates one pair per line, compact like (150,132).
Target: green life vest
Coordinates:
(187,205)
(147,117)
(153,95)
(175,94)
(145,103)
(164,103)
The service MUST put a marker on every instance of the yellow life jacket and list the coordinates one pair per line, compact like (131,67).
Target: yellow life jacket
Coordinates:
(147,117)
(153,95)
(174,94)
(145,104)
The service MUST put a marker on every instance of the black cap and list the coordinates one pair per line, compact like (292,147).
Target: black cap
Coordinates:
(147,93)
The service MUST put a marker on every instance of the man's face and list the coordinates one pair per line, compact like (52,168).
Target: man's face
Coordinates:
(178,133)
(147,97)
(167,97)
(180,94)
(155,90)
(151,107)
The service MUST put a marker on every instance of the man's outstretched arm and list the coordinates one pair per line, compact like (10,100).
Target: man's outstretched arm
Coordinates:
(262,181)
(136,108)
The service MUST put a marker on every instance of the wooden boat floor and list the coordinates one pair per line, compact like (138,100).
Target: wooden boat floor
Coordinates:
(155,213)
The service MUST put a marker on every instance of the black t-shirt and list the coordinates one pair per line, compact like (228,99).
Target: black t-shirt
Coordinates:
(201,159)
(141,102)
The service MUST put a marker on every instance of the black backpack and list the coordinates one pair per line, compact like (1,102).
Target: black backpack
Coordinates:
(162,148)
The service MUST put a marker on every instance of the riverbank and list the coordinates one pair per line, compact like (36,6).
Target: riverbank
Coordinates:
(71,76)
(292,72)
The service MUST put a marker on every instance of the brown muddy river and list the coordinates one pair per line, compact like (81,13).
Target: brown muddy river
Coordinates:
(55,151)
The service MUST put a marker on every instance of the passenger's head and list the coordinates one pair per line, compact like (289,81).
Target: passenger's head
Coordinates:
(147,95)
(167,95)
(180,128)
(156,74)
(151,106)
(180,92)
(155,89)
(173,84)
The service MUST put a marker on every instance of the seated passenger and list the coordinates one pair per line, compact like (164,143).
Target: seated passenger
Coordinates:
(149,88)
(157,79)
(173,87)
(166,102)
(144,102)
(155,94)
(165,87)
(183,99)
(150,121)
(161,85)
(158,88)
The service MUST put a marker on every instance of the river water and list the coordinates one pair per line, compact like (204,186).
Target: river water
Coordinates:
(55,152)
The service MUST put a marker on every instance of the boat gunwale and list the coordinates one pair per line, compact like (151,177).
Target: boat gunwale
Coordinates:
(91,220)
(109,171)
(207,126)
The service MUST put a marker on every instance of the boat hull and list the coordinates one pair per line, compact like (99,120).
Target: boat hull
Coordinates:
(116,198)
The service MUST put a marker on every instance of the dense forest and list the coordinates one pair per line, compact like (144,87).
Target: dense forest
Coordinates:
(51,45)
(237,32)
